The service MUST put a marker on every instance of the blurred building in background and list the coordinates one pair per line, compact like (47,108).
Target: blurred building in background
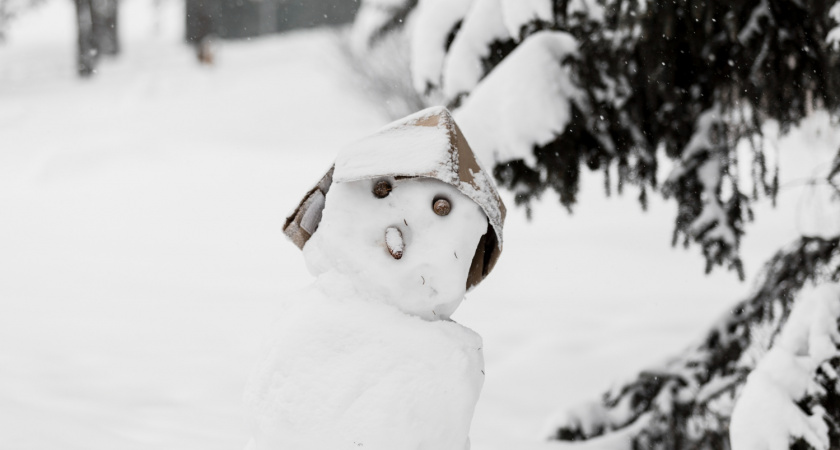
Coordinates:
(237,19)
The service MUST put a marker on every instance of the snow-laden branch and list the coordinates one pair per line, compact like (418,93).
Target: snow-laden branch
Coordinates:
(472,52)
(687,402)
(780,402)
(716,223)
(833,37)
(523,17)
(525,102)
(435,27)
(636,82)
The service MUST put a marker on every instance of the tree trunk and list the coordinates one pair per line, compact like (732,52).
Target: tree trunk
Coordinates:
(104,17)
(97,25)
(201,23)
(203,26)
(86,57)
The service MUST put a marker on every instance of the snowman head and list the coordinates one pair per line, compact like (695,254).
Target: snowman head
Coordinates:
(406,215)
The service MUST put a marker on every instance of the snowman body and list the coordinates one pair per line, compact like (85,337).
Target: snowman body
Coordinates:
(368,357)
(343,373)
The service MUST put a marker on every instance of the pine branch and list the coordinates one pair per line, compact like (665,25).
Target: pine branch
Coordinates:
(694,78)
(687,403)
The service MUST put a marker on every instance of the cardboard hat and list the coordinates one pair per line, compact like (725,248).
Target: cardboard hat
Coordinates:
(425,144)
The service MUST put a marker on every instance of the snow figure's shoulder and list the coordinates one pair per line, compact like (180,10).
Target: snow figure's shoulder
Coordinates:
(343,372)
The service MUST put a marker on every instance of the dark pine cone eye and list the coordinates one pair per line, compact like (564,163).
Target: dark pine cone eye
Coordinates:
(442,207)
(381,189)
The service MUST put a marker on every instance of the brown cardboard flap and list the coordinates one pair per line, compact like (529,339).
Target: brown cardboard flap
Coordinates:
(303,222)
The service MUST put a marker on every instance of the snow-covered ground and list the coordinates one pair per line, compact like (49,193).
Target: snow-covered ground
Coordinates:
(141,252)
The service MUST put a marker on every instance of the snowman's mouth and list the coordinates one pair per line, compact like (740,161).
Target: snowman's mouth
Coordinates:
(394,242)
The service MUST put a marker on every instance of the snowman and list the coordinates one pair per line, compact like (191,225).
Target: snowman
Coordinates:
(367,357)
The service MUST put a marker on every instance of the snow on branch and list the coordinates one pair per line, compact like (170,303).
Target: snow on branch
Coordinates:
(525,102)
(833,37)
(688,401)
(590,9)
(647,80)
(818,210)
(436,24)
(475,50)
(752,29)
(526,113)
(524,17)
(782,399)
(697,177)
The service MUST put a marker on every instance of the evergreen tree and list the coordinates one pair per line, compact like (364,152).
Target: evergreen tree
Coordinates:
(552,85)
(693,78)
(687,402)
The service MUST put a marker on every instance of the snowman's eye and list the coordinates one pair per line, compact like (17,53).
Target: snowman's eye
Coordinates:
(441,206)
(381,189)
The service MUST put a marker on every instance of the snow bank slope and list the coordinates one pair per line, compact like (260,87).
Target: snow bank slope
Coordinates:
(141,251)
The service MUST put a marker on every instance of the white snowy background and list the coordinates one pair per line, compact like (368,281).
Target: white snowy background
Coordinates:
(141,252)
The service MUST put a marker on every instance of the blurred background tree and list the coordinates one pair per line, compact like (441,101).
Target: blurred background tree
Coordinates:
(546,87)
(232,19)
(205,20)
(98,30)
(98,33)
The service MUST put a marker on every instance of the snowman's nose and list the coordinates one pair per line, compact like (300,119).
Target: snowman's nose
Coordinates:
(394,242)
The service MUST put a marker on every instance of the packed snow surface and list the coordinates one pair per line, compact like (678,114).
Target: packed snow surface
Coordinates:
(142,257)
